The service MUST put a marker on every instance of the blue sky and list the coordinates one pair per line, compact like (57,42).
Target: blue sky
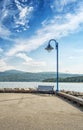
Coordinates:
(26,26)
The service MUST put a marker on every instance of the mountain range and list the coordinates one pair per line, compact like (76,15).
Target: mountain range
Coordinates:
(21,76)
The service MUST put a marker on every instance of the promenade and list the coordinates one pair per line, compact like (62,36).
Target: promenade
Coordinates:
(38,112)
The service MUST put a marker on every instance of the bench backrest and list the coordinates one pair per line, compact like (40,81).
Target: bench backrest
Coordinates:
(43,88)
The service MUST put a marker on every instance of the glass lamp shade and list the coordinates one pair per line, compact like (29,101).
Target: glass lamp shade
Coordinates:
(49,48)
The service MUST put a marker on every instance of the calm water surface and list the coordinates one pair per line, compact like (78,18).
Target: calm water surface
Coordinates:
(66,86)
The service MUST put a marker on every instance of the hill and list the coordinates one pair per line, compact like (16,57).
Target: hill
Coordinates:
(21,76)
(67,79)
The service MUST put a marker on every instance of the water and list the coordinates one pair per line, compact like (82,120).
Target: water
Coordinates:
(66,86)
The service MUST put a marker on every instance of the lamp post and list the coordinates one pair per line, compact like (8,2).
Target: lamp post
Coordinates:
(49,48)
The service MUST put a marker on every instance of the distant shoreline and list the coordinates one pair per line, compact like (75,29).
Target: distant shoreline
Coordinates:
(19,76)
(37,82)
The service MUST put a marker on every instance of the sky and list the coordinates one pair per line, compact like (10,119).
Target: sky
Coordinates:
(26,26)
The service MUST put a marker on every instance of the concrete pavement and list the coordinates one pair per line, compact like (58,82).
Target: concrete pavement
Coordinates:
(38,112)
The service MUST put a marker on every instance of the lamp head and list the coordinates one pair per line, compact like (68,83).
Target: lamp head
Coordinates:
(49,47)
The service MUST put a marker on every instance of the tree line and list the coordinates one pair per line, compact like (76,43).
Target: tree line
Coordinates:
(67,79)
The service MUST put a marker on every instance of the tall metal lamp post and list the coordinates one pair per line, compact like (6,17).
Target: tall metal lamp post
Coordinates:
(49,48)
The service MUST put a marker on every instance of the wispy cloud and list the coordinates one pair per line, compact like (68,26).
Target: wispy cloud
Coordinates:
(1,50)
(4,32)
(26,45)
(13,16)
(60,5)
(29,61)
(70,23)
(25,57)
(56,26)
(24,14)
(78,51)
(4,66)
(67,24)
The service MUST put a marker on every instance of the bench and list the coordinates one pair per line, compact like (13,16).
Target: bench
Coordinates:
(45,89)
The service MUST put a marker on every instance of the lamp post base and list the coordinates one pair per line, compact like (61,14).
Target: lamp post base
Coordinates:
(57,91)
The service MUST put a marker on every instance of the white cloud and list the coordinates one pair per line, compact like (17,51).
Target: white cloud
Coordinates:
(70,23)
(58,27)
(1,50)
(29,61)
(16,48)
(25,57)
(27,45)
(4,14)
(23,16)
(4,32)
(59,5)
(79,51)
(23,12)
(4,66)
(21,20)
